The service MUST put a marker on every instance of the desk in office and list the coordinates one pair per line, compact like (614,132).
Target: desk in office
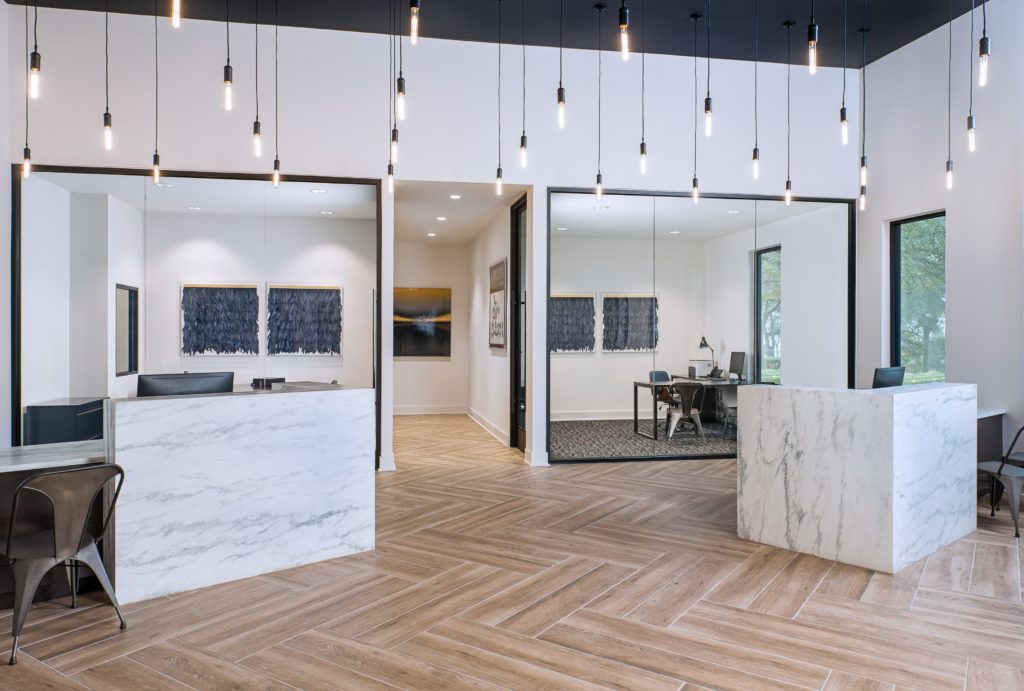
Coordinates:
(711,413)
(653,386)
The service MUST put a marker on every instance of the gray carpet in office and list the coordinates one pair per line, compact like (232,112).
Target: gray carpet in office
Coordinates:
(609,439)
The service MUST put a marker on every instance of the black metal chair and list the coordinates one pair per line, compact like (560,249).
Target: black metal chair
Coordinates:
(1004,475)
(688,400)
(71,494)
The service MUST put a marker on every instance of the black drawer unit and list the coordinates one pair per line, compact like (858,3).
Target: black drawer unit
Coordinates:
(66,419)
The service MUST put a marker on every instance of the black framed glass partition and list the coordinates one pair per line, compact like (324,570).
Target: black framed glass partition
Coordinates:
(659,309)
(917,257)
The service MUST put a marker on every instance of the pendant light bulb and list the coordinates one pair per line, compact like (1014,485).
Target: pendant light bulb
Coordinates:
(394,145)
(35,69)
(175,13)
(522,151)
(400,96)
(863,197)
(863,170)
(844,126)
(498,183)
(391,178)
(414,21)
(26,164)
(695,193)
(624,30)
(156,169)
(257,140)
(949,174)
(276,178)
(756,163)
(707,116)
(812,47)
(971,143)
(561,108)
(789,192)
(108,131)
(984,46)
(599,186)
(643,158)
(228,80)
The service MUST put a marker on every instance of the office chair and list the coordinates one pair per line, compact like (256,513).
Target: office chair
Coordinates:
(1003,476)
(689,399)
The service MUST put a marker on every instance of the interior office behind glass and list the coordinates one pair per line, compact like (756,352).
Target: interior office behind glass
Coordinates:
(649,286)
(106,261)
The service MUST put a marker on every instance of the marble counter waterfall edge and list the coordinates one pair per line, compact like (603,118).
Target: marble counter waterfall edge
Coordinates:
(877,479)
(222,487)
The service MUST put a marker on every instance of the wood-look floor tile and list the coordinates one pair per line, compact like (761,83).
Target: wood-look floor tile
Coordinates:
(384,665)
(950,568)
(310,673)
(633,591)
(845,580)
(989,676)
(678,593)
(201,669)
(895,590)
(753,576)
(124,674)
(788,591)
(530,590)
(996,572)
(30,673)
(841,681)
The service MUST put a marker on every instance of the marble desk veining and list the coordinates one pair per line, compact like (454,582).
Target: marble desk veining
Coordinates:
(222,487)
(875,478)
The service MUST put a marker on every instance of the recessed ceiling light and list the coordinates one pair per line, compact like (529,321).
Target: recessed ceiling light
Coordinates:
(164,185)
(431,235)
(673,232)
(318,190)
(732,212)
(442,218)
(602,207)
(194,208)
(455,196)
(561,228)
(326,213)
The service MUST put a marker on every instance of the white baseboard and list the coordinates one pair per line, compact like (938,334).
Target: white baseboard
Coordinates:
(387,463)
(491,428)
(430,410)
(537,459)
(645,414)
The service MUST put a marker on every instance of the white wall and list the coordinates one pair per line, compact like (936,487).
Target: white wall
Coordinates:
(907,132)
(126,264)
(729,296)
(45,291)
(449,135)
(598,385)
(435,385)
(88,338)
(208,248)
(489,367)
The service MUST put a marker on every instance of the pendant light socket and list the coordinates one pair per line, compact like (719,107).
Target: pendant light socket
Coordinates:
(108,121)
(984,47)
(36,62)
(26,165)
(812,33)
(949,174)
(863,197)
(842,115)
(695,193)
(789,192)
(623,17)
(156,160)
(228,74)
(276,177)
(256,129)
(498,182)
(400,86)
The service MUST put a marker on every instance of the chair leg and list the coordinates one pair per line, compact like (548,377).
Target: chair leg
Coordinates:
(674,418)
(992,494)
(696,423)
(1014,488)
(90,556)
(998,495)
(27,575)
(72,571)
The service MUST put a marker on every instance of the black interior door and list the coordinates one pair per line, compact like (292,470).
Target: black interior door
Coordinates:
(517,305)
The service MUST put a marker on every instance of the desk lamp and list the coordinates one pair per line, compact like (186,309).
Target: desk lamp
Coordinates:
(704,344)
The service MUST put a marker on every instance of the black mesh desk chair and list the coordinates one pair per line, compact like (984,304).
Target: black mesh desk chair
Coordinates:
(71,494)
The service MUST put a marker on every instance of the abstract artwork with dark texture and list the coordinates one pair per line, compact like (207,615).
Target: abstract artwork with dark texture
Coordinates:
(571,324)
(630,323)
(304,320)
(423,322)
(220,320)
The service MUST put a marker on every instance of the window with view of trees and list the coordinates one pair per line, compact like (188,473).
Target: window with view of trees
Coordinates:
(768,339)
(918,284)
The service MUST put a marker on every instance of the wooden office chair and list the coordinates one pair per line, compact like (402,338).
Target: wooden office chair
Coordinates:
(71,494)
(1003,476)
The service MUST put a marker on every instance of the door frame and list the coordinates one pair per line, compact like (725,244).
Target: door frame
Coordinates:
(517,326)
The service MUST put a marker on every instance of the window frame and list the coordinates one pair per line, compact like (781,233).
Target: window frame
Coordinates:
(896,281)
(758,254)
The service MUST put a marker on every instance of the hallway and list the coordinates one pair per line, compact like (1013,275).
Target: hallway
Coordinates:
(491,573)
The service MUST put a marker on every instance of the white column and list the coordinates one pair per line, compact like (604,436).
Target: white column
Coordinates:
(536,326)
(386,336)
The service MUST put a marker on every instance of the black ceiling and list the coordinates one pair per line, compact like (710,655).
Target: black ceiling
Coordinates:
(894,22)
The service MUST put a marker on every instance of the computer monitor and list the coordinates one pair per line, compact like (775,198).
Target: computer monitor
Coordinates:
(888,376)
(185,384)
(738,364)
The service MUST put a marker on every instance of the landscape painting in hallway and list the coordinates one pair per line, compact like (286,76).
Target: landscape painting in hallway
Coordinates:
(423,322)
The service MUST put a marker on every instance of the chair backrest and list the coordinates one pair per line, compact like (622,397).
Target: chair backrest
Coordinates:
(71,494)
(886,377)
(658,375)
(691,396)
(729,396)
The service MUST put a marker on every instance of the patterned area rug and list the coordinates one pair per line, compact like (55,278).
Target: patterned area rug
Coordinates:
(609,439)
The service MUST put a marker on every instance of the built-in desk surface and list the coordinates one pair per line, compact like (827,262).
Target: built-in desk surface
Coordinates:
(43,456)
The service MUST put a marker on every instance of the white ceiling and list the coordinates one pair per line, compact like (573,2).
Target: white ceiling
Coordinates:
(631,216)
(226,197)
(418,205)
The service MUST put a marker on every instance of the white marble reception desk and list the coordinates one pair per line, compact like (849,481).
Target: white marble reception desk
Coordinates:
(225,486)
(876,478)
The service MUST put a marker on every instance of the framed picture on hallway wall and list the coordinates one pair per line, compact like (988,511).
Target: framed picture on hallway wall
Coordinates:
(496,305)
(423,322)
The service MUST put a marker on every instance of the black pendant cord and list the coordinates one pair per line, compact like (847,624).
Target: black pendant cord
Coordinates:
(600,79)
(949,90)
(864,87)
(35,28)
(398,40)
(27,77)
(709,49)
(156,81)
(499,84)
(561,28)
(845,47)
(256,28)
(789,80)
(277,97)
(106,56)
(391,73)
(696,19)
(984,19)
(970,51)
(643,72)
(227,27)
(524,69)
(757,12)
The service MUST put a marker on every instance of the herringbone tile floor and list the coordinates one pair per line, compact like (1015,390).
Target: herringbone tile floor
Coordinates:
(492,574)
